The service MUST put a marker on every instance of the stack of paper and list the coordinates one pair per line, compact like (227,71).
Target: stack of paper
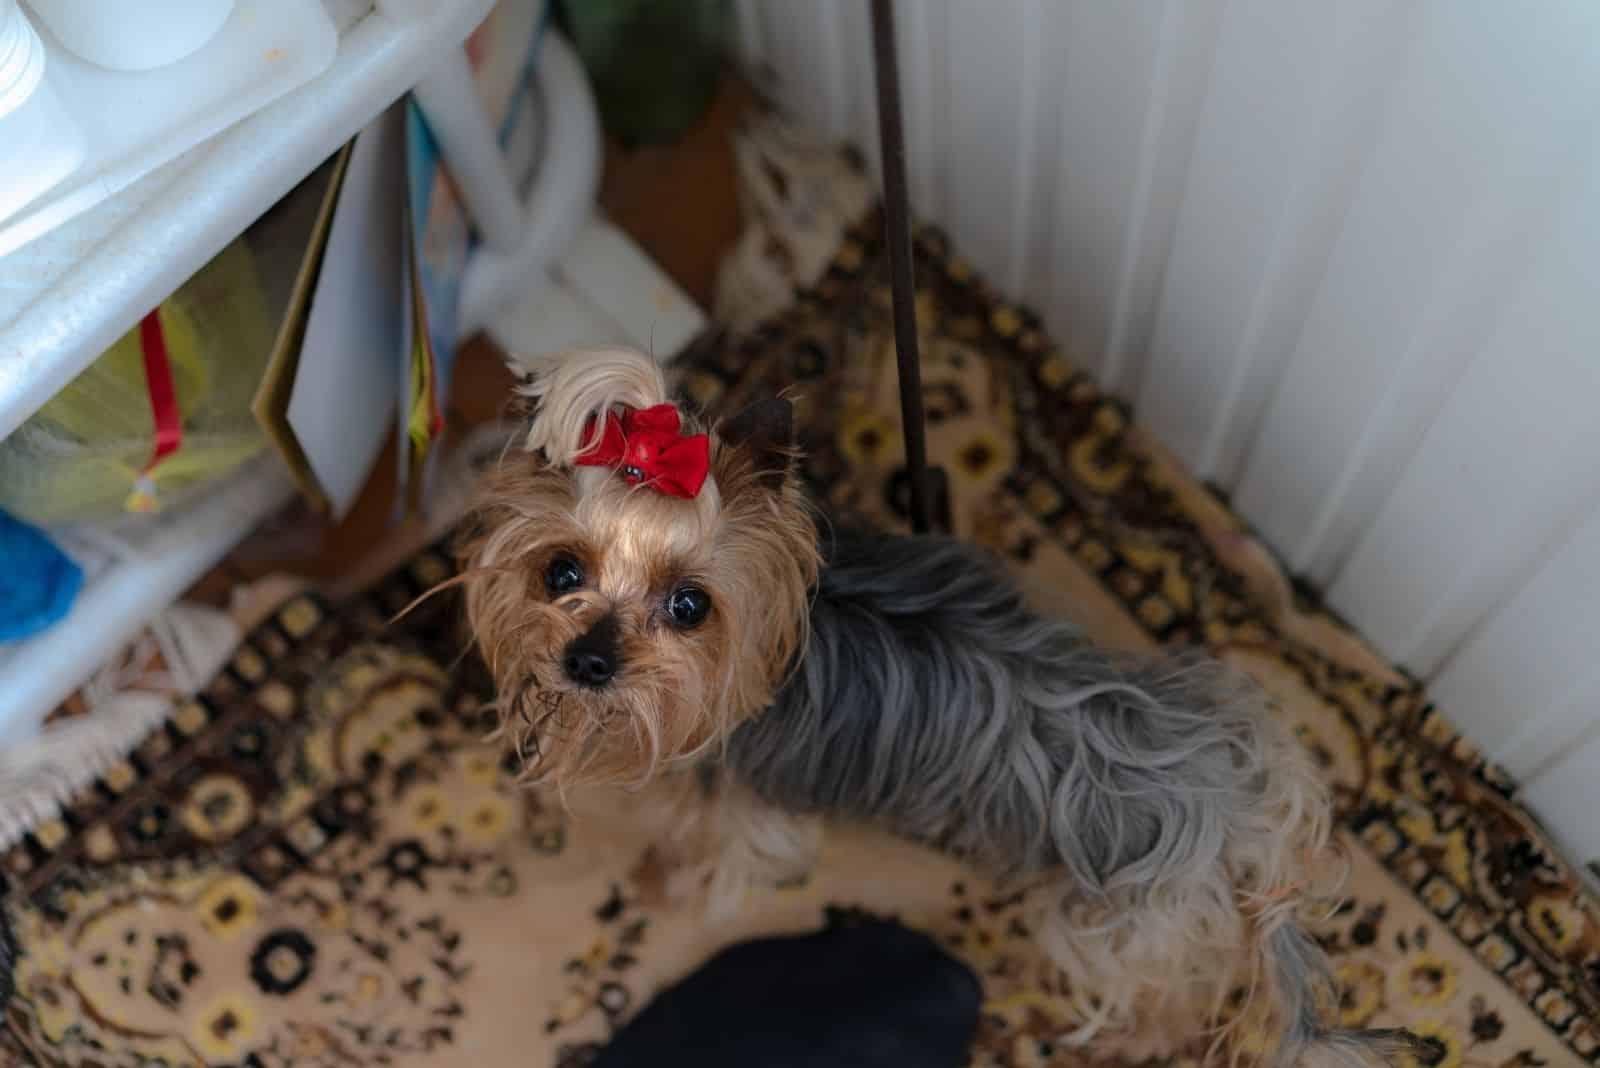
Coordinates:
(327,399)
(370,330)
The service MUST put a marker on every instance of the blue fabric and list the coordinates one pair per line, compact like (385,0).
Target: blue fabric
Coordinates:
(38,581)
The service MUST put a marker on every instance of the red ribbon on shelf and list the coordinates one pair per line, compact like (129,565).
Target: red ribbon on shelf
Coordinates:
(164,410)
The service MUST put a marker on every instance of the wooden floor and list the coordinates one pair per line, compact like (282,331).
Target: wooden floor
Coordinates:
(678,202)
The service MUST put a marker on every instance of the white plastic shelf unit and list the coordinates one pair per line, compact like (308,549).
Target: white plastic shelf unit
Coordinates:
(68,295)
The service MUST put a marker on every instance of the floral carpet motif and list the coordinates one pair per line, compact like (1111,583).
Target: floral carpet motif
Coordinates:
(321,863)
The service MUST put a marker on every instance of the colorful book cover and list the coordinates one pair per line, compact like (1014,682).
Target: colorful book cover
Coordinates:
(502,54)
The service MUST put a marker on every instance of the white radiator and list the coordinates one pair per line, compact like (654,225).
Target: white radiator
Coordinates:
(1346,259)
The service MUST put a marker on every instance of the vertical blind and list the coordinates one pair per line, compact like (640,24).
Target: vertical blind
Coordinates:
(1345,258)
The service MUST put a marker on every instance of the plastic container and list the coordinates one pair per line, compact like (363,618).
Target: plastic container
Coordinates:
(33,125)
(133,35)
(21,58)
(133,122)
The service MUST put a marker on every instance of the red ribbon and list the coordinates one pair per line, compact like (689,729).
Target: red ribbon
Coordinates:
(163,396)
(645,447)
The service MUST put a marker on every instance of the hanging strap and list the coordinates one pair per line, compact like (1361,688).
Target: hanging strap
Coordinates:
(163,395)
(164,411)
(902,282)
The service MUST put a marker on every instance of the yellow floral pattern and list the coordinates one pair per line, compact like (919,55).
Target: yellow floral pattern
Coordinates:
(323,864)
(317,927)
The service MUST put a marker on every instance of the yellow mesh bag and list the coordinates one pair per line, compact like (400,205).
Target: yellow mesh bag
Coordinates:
(83,455)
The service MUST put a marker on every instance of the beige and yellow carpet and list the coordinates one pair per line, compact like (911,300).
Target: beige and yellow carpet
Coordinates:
(320,864)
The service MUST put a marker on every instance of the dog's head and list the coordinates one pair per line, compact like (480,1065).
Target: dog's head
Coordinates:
(636,590)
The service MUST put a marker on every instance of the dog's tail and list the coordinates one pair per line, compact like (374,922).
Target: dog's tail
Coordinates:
(1300,975)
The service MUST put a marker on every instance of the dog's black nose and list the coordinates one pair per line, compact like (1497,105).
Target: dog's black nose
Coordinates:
(590,669)
(591,659)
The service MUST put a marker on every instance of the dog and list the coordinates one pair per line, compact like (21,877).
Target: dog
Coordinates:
(668,627)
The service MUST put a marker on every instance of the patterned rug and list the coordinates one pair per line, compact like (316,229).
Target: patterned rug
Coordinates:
(320,864)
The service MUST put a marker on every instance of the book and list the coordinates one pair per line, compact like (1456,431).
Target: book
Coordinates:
(502,53)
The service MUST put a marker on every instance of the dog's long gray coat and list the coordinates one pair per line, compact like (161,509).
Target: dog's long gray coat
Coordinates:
(933,703)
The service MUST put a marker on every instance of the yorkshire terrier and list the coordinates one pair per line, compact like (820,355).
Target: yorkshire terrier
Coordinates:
(662,616)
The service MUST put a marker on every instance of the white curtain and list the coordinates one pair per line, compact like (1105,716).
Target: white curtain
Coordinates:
(1344,255)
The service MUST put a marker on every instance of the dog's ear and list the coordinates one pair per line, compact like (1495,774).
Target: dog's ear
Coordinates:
(765,433)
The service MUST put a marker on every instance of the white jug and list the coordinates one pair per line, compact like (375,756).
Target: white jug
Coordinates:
(132,35)
(21,58)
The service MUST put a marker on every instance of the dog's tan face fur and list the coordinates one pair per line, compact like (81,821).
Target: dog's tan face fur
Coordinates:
(562,552)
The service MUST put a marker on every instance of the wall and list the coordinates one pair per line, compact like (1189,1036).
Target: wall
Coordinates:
(1346,259)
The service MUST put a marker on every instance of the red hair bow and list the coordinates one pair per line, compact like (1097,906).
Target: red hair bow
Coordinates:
(644,445)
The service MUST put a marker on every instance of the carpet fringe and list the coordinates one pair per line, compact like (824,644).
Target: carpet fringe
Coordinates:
(39,777)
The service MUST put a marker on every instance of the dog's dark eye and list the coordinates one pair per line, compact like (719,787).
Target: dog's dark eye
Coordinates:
(688,605)
(563,575)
